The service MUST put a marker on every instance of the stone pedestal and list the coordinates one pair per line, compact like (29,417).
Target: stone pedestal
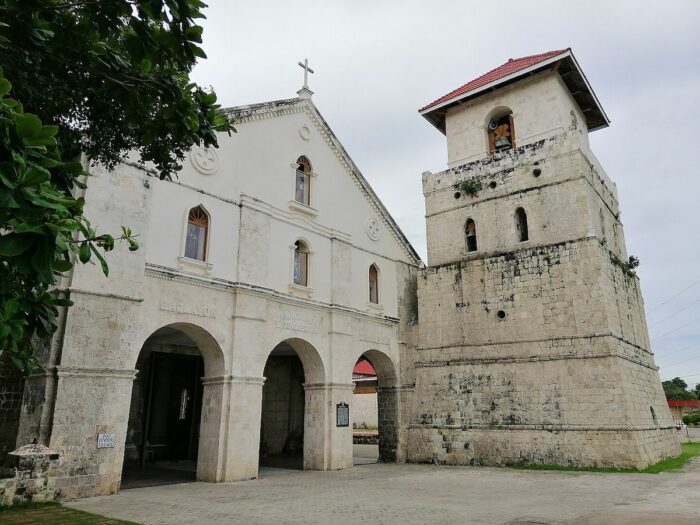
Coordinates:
(30,476)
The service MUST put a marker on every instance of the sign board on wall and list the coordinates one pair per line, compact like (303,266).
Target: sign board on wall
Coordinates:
(342,415)
(105,440)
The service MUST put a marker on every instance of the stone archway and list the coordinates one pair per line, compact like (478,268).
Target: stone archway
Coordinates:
(386,387)
(292,423)
(175,416)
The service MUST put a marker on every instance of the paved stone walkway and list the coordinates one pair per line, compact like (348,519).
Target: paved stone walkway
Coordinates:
(418,494)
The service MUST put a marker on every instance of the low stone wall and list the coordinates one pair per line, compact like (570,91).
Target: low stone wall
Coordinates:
(30,476)
(365,438)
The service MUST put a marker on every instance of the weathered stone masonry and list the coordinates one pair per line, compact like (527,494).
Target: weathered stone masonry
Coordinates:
(537,352)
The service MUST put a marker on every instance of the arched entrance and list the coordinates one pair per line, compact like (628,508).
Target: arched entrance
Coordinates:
(288,424)
(375,409)
(167,431)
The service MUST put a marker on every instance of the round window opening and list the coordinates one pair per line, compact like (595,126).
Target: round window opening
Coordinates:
(457,195)
(501,314)
(493,184)
(537,172)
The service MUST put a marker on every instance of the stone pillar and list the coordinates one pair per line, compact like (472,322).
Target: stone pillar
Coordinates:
(241,409)
(340,442)
(316,408)
(89,402)
(387,408)
(212,429)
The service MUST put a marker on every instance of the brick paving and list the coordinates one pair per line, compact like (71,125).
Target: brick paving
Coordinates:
(418,494)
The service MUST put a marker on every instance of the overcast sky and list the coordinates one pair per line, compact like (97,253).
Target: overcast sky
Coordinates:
(376,62)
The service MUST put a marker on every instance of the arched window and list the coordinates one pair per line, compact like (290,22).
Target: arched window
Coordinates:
(301,263)
(302,186)
(374,284)
(521,225)
(470,231)
(197,233)
(501,132)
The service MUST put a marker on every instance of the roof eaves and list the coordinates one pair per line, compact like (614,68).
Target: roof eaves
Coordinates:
(496,82)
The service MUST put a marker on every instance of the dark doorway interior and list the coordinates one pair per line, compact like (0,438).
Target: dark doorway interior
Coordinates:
(282,421)
(173,408)
(163,434)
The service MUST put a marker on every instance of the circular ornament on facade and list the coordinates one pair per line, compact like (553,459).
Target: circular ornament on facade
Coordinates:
(204,160)
(373,229)
(305,132)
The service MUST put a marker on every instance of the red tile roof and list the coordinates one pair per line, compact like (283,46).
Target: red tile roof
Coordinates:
(512,66)
(365,368)
(684,403)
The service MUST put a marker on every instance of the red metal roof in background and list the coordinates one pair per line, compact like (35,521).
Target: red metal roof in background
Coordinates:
(684,403)
(364,368)
(512,66)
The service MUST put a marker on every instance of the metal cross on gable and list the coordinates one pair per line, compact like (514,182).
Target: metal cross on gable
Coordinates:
(307,70)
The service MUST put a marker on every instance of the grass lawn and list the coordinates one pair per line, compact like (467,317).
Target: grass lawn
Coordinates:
(53,514)
(688,452)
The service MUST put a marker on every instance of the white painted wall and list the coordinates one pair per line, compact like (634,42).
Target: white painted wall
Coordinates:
(541,107)
(255,180)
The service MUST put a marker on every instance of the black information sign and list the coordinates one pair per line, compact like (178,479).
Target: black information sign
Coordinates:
(342,415)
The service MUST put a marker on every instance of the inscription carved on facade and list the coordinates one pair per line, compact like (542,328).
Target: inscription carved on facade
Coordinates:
(186,308)
(298,322)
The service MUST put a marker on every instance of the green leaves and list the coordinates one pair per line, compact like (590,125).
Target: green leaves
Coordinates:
(94,80)
(13,244)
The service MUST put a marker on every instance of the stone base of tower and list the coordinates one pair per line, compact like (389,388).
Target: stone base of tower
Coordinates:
(584,411)
(522,446)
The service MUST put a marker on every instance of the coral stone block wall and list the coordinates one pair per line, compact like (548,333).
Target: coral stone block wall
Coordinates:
(536,351)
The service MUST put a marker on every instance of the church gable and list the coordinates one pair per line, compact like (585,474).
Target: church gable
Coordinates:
(340,200)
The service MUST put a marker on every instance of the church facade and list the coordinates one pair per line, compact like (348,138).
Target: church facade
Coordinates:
(269,267)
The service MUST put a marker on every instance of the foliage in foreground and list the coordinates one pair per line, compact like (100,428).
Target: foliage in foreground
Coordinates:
(81,77)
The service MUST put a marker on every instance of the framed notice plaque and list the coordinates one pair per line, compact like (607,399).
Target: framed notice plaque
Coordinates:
(342,415)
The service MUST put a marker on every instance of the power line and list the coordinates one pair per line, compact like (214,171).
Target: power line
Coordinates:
(681,377)
(676,329)
(681,362)
(681,349)
(673,297)
(674,313)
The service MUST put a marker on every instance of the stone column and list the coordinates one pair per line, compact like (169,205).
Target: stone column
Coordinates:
(90,402)
(387,408)
(212,428)
(241,410)
(315,428)
(340,442)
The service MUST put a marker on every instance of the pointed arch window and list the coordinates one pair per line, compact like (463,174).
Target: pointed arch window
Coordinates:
(501,133)
(374,284)
(301,263)
(470,231)
(521,225)
(302,184)
(197,234)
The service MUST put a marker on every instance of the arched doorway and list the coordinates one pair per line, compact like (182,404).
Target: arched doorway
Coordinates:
(375,409)
(166,429)
(287,429)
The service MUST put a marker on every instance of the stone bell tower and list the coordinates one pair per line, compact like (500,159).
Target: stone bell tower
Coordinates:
(533,340)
